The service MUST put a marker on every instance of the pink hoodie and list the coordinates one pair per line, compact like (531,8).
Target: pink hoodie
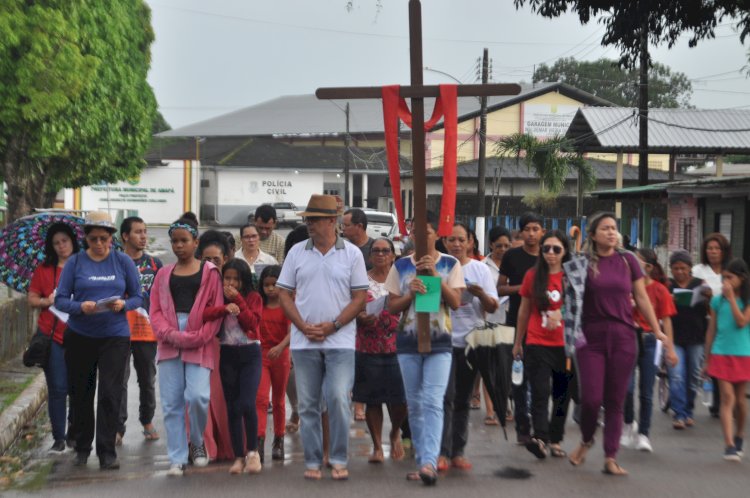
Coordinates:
(196,343)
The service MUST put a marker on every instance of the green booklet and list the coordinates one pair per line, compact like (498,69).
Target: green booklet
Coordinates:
(682,297)
(430,301)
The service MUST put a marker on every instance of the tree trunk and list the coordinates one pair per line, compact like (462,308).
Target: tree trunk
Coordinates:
(27,185)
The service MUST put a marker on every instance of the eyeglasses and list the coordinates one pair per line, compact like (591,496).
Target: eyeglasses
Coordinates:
(95,239)
(385,250)
(546,249)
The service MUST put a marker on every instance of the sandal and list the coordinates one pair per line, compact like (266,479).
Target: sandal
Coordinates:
(612,468)
(491,420)
(413,476)
(313,474)
(293,425)
(339,474)
(461,463)
(537,448)
(476,402)
(579,455)
(443,464)
(428,474)
(149,433)
(556,451)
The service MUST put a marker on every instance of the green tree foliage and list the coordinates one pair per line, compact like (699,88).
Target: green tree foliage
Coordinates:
(605,79)
(667,20)
(76,107)
(552,161)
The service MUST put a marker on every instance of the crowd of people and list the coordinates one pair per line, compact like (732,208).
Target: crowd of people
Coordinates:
(328,317)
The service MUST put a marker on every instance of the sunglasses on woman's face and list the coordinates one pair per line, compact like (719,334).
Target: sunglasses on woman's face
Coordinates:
(546,249)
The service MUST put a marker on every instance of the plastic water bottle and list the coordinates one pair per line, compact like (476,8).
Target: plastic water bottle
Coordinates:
(708,393)
(517,371)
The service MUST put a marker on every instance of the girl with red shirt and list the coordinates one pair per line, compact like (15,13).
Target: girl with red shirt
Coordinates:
(274,340)
(59,244)
(240,361)
(540,323)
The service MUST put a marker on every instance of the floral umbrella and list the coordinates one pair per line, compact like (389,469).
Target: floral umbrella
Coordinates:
(22,246)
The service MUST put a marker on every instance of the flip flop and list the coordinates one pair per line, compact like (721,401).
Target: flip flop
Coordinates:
(313,474)
(339,474)
(413,476)
(614,469)
(491,420)
(150,434)
(556,451)
(537,448)
(428,474)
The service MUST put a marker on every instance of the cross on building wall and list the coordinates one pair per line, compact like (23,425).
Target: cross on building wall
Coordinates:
(417,92)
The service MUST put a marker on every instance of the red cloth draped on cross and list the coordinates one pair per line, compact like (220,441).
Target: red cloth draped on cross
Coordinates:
(395,108)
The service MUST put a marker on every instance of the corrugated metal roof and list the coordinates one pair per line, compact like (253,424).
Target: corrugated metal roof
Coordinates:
(307,115)
(699,187)
(612,129)
(517,169)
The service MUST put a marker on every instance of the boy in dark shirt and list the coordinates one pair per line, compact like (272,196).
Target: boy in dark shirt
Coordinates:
(516,262)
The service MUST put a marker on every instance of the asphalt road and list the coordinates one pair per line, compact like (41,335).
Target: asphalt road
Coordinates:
(684,464)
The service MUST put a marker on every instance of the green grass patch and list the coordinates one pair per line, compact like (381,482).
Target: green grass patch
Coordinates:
(11,389)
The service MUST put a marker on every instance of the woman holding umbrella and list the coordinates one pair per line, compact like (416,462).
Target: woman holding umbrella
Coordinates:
(96,288)
(59,245)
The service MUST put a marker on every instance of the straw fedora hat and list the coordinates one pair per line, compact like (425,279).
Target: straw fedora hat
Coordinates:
(321,206)
(99,219)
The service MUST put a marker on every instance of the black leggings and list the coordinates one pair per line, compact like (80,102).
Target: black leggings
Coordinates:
(240,368)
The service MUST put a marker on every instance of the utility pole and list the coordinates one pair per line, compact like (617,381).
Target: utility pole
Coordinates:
(482,163)
(643,121)
(347,202)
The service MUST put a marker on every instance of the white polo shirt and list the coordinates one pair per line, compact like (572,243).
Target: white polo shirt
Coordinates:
(324,285)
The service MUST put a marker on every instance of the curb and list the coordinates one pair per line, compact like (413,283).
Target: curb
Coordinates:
(21,411)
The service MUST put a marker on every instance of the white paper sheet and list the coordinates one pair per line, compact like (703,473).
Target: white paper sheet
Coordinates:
(698,296)
(61,315)
(658,353)
(102,305)
(376,306)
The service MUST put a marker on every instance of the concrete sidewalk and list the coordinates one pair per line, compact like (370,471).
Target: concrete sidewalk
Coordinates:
(19,412)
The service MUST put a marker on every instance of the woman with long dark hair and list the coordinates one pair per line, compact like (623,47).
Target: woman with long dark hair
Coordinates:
(540,323)
(599,331)
(59,245)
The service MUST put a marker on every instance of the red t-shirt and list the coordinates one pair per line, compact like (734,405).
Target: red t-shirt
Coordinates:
(662,302)
(536,333)
(43,282)
(274,326)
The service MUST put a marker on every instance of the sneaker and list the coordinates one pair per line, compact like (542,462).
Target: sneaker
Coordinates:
(730,454)
(81,459)
(644,444)
(252,463)
(58,447)
(629,435)
(198,455)
(262,448)
(176,470)
(277,451)
(111,463)
(738,445)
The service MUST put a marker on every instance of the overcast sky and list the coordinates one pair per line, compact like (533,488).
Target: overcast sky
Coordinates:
(211,58)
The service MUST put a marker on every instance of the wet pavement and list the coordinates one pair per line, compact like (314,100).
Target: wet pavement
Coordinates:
(685,463)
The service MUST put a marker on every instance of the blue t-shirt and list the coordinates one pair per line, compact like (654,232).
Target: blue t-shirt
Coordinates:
(402,272)
(84,279)
(730,339)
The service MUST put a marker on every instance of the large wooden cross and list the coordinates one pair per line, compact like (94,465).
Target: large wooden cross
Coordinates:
(417,92)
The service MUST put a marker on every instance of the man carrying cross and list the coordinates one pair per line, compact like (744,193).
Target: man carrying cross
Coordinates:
(425,260)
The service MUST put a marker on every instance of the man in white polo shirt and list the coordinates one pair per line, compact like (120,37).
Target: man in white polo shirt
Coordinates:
(330,280)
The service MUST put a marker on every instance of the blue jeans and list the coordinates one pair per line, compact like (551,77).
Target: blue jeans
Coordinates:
(56,374)
(685,380)
(646,378)
(425,379)
(183,384)
(324,374)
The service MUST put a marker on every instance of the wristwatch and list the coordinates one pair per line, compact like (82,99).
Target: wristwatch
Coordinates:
(337,325)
